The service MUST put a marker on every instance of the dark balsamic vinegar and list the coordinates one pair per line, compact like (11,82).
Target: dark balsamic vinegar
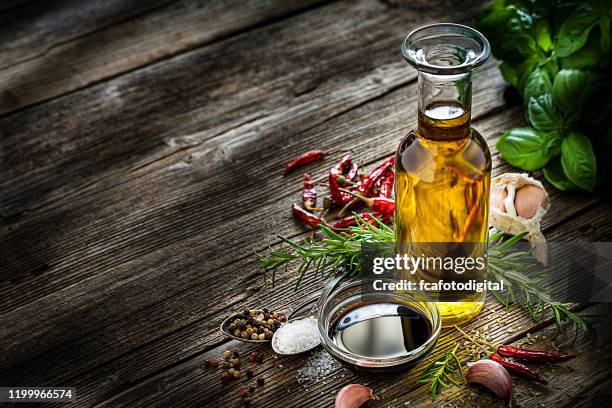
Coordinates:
(381,330)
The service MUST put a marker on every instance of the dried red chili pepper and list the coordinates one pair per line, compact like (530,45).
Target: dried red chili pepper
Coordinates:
(369,182)
(386,184)
(303,215)
(533,355)
(353,172)
(381,205)
(304,159)
(343,166)
(309,195)
(519,369)
(352,220)
(339,197)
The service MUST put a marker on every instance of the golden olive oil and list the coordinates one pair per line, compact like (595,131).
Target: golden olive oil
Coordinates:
(442,195)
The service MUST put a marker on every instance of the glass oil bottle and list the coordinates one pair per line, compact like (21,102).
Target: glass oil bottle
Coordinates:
(443,168)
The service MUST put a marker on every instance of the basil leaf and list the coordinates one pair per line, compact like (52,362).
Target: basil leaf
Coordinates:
(537,83)
(575,31)
(527,148)
(525,68)
(544,115)
(553,172)
(588,56)
(542,34)
(570,89)
(509,74)
(578,161)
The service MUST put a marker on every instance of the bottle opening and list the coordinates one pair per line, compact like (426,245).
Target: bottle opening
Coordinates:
(445,49)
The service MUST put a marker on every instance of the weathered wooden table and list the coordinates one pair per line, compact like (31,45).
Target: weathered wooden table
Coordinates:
(141,154)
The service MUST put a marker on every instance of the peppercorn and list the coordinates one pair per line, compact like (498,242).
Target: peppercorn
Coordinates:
(260,381)
(227,354)
(246,312)
(236,354)
(225,365)
(265,310)
(251,389)
(249,374)
(281,318)
(259,358)
(214,363)
(252,357)
(232,326)
(207,364)
(244,335)
(225,377)
(236,374)
(269,335)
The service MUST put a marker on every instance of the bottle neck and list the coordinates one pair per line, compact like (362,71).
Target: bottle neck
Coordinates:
(445,104)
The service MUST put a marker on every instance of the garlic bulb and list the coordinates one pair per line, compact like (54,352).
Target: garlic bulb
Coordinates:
(518,203)
(353,396)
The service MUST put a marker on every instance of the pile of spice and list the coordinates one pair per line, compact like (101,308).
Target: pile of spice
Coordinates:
(256,324)
(348,191)
(318,366)
(230,367)
(297,336)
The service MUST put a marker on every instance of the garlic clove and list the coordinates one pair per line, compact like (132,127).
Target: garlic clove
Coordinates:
(498,195)
(518,203)
(492,375)
(528,199)
(353,396)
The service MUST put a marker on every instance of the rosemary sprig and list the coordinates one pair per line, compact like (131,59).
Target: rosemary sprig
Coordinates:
(525,288)
(340,252)
(442,372)
(336,252)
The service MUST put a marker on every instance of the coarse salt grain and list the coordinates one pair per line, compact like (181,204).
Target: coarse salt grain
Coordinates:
(297,336)
(319,365)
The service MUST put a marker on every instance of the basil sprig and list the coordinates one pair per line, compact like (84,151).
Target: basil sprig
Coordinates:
(557,54)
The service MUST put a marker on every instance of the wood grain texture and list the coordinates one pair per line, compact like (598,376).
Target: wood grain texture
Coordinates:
(51,48)
(131,208)
(190,380)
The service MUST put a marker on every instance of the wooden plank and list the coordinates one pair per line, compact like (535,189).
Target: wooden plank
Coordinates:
(196,337)
(190,380)
(121,213)
(152,270)
(51,48)
(186,178)
(110,225)
(97,134)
